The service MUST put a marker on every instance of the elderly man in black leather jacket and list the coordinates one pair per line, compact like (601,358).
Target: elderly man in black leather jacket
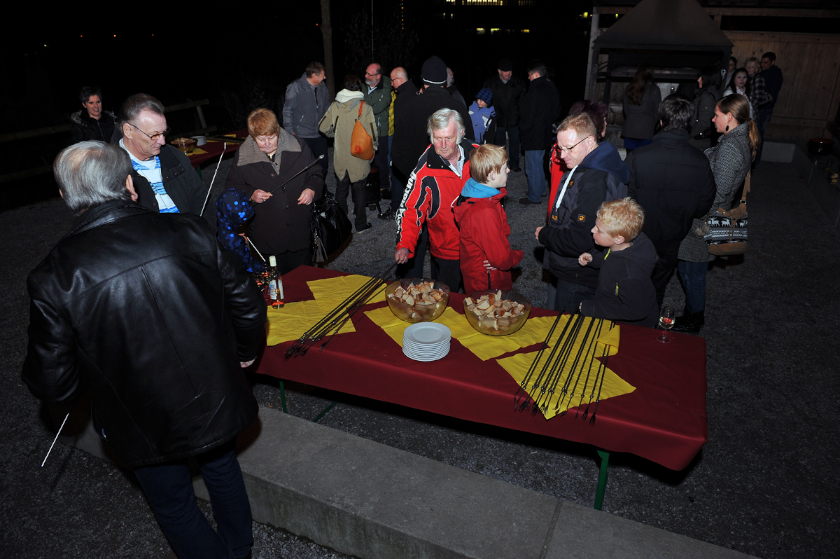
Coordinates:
(148,314)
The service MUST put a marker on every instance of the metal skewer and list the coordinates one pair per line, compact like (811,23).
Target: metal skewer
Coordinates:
(209,190)
(290,179)
(55,439)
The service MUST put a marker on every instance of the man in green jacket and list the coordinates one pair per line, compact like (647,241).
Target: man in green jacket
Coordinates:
(378,96)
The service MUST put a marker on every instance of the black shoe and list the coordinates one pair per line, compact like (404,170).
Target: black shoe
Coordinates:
(689,323)
(526,201)
(364,227)
(387,215)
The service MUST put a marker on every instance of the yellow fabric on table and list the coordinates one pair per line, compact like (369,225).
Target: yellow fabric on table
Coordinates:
(588,377)
(294,319)
(197,151)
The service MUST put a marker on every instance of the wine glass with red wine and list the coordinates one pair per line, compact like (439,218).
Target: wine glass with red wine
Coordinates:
(666,322)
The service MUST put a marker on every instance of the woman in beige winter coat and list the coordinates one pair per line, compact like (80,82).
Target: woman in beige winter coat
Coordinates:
(338,123)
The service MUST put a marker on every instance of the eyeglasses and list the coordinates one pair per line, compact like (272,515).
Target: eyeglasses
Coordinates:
(152,137)
(562,149)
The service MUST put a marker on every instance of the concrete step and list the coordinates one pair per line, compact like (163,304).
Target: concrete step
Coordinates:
(366,499)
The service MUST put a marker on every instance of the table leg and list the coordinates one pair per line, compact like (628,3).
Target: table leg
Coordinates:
(323,413)
(602,478)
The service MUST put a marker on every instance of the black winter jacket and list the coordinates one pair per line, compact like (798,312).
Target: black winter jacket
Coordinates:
(280,224)
(411,119)
(86,128)
(180,181)
(600,177)
(625,291)
(673,182)
(540,108)
(149,314)
(506,99)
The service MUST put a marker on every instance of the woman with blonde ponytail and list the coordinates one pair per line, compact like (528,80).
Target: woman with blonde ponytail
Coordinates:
(730,159)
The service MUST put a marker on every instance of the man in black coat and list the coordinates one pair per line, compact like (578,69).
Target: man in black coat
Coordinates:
(163,176)
(507,93)
(673,182)
(540,108)
(149,315)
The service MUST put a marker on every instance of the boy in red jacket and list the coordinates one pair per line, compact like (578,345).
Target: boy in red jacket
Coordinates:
(485,254)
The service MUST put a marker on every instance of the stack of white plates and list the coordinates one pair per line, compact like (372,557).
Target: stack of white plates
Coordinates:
(426,341)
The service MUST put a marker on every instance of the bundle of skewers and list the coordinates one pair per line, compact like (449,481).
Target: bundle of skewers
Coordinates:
(567,377)
(338,317)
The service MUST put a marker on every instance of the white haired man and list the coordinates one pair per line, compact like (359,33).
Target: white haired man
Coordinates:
(435,183)
(156,321)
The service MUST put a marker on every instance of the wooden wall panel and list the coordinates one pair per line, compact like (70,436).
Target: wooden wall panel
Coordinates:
(811,67)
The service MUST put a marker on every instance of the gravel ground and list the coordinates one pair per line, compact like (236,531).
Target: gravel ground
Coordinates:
(761,485)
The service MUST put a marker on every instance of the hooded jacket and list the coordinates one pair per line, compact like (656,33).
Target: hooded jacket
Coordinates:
(280,224)
(429,196)
(153,318)
(338,123)
(483,123)
(600,177)
(625,291)
(481,217)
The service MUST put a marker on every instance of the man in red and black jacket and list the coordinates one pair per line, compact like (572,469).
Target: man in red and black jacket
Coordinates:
(433,186)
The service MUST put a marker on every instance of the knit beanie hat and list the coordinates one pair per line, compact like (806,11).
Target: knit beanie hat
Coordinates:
(505,65)
(485,95)
(434,71)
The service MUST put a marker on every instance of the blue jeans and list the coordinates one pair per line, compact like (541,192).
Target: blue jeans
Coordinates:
(170,492)
(536,174)
(569,296)
(693,279)
(513,150)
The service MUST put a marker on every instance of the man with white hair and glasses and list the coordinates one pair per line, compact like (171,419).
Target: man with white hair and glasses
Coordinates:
(597,175)
(434,185)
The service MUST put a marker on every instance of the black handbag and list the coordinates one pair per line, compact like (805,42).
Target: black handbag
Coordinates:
(330,228)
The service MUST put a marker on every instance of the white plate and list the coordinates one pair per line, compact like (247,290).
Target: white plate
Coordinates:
(427,333)
(427,358)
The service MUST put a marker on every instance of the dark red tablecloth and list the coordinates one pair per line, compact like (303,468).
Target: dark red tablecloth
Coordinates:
(214,150)
(663,420)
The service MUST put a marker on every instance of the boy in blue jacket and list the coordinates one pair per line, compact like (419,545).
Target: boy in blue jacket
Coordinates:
(625,291)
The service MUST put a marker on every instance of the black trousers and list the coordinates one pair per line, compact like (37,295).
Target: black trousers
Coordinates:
(661,275)
(448,272)
(341,190)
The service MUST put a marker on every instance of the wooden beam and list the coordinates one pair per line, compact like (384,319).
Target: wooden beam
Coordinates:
(34,133)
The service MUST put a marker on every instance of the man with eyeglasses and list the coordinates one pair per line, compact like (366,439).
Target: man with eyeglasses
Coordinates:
(163,176)
(597,174)
(378,95)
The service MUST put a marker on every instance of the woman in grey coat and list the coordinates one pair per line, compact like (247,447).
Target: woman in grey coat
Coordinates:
(730,160)
(641,109)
